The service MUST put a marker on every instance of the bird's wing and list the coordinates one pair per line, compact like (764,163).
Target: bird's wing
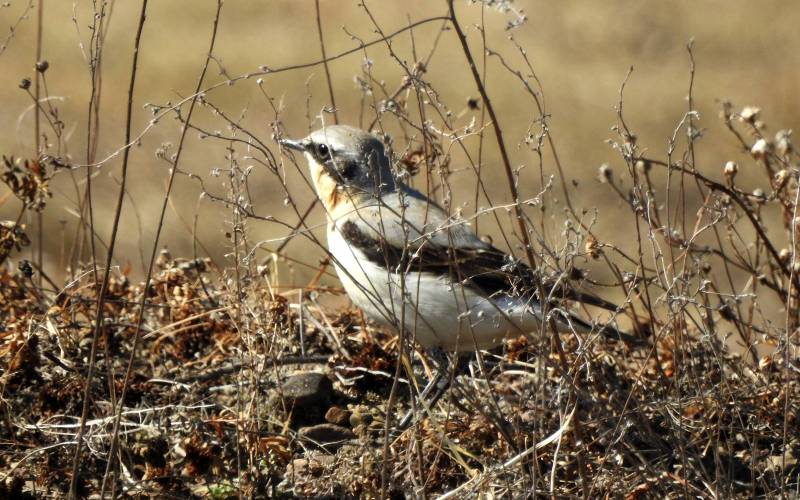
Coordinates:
(406,231)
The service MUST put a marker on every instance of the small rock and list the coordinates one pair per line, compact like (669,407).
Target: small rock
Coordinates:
(327,436)
(337,415)
(312,465)
(360,417)
(306,391)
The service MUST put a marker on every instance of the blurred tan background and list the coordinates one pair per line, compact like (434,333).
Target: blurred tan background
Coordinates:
(747,52)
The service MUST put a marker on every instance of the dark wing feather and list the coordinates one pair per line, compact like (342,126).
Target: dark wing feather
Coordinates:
(487,270)
(493,272)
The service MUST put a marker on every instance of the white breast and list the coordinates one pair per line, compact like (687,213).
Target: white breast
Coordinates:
(432,309)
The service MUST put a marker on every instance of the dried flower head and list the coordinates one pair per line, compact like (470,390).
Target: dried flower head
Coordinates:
(592,247)
(750,114)
(25,268)
(164,258)
(28,180)
(781,177)
(605,173)
(12,237)
(760,149)
(783,142)
(730,170)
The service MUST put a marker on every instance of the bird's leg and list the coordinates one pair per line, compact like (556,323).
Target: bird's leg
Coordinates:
(434,389)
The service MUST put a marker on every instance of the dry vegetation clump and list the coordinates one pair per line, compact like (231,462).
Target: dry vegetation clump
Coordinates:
(200,376)
(178,439)
(709,423)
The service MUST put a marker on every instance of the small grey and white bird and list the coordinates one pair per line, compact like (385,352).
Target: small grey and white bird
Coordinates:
(409,265)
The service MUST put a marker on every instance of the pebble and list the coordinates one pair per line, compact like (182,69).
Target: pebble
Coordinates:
(327,436)
(337,415)
(306,391)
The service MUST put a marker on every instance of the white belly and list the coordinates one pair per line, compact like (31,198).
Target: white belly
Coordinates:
(436,312)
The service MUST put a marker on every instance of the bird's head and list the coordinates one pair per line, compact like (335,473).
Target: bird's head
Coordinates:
(345,161)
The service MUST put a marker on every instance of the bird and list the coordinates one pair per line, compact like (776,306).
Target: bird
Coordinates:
(409,265)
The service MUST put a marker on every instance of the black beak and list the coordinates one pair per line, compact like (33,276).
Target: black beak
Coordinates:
(292,144)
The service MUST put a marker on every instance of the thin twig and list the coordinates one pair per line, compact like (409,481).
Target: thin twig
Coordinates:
(154,253)
(325,64)
(36,132)
(265,72)
(512,183)
(106,274)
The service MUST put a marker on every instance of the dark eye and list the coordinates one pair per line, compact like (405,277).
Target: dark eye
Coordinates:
(322,151)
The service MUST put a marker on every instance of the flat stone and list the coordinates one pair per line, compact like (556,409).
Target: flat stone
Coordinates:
(327,436)
(307,391)
(337,415)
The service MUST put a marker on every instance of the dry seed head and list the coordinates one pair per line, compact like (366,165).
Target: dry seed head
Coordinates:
(731,169)
(760,148)
(780,179)
(783,142)
(784,254)
(163,259)
(25,268)
(604,172)
(759,195)
(750,114)
(592,247)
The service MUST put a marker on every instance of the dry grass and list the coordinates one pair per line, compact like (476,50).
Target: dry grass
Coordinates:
(690,223)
